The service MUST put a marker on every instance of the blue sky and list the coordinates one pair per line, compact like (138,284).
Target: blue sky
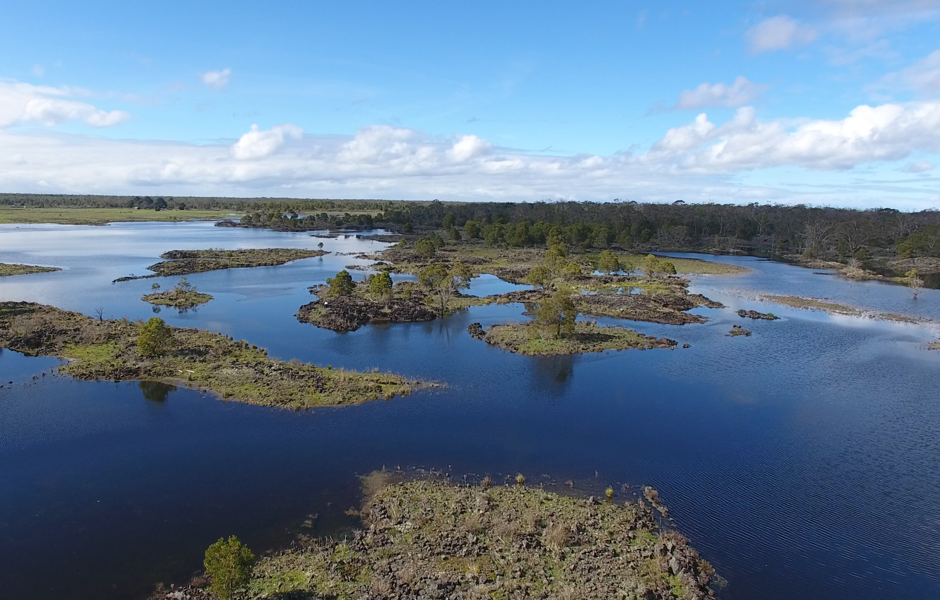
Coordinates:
(828,102)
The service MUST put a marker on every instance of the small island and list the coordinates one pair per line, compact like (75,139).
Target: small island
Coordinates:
(436,539)
(187,262)
(737,330)
(121,350)
(934,346)
(183,297)
(753,314)
(10,269)
(533,339)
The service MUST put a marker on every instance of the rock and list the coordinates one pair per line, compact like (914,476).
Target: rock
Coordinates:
(476,331)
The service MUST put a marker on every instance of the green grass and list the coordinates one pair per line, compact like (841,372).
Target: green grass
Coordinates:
(10,269)
(534,339)
(103,216)
(684,266)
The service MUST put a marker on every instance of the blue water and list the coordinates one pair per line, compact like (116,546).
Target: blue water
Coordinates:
(802,461)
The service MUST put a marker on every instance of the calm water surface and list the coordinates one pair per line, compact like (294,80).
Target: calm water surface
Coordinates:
(803,461)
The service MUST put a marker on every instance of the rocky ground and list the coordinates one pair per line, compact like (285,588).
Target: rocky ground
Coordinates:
(437,540)
(349,313)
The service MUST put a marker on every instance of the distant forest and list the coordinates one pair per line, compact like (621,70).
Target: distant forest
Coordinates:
(873,236)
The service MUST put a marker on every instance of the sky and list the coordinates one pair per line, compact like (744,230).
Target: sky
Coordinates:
(823,102)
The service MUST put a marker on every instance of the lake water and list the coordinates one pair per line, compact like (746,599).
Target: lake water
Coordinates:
(803,461)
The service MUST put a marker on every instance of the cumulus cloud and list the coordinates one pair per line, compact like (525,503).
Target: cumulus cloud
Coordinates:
(778,33)
(920,167)
(700,161)
(868,134)
(23,102)
(737,94)
(216,80)
(923,76)
(258,143)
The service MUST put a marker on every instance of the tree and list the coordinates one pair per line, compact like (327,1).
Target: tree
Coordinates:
(342,284)
(154,338)
(425,248)
(540,276)
(444,283)
(914,282)
(651,265)
(449,220)
(667,267)
(183,285)
(559,311)
(608,262)
(381,285)
(229,564)
(471,229)
(556,259)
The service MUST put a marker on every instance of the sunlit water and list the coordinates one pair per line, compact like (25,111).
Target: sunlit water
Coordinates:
(802,461)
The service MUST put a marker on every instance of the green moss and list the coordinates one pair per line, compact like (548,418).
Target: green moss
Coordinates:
(10,269)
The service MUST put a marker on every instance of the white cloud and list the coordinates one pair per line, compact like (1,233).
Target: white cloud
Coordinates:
(778,33)
(920,167)
(217,80)
(737,94)
(258,143)
(868,134)
(923,76)
(469,147)
(700,161)
(22,102)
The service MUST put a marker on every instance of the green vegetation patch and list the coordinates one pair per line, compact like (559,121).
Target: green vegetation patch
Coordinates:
(177,298)
(9,269)
(187,262)
(103,216)
(535,339)
(117,350)
(684,266)
(433,539)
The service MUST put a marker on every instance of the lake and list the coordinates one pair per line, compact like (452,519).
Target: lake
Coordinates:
(802,461)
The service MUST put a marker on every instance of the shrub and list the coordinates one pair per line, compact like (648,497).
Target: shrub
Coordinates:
(154,338)
(381,284)
(425,248)
(229,563)
(608,262)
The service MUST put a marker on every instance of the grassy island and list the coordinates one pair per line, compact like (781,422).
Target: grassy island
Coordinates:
(177,298)
(128,350)
(753,314)
(187,262)
(534,339)
(10,269)
(934,346)
(431,539)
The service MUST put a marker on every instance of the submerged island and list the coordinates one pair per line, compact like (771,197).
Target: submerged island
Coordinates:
(187,262)
(153,351)
(436,539)
(10,269)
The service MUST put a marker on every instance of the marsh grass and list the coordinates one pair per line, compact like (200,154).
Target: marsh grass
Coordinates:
(107,349)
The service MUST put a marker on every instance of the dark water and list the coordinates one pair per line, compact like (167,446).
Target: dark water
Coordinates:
(803,461)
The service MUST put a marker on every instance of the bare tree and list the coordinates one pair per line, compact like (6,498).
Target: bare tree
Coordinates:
(914,282)
(99,312)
